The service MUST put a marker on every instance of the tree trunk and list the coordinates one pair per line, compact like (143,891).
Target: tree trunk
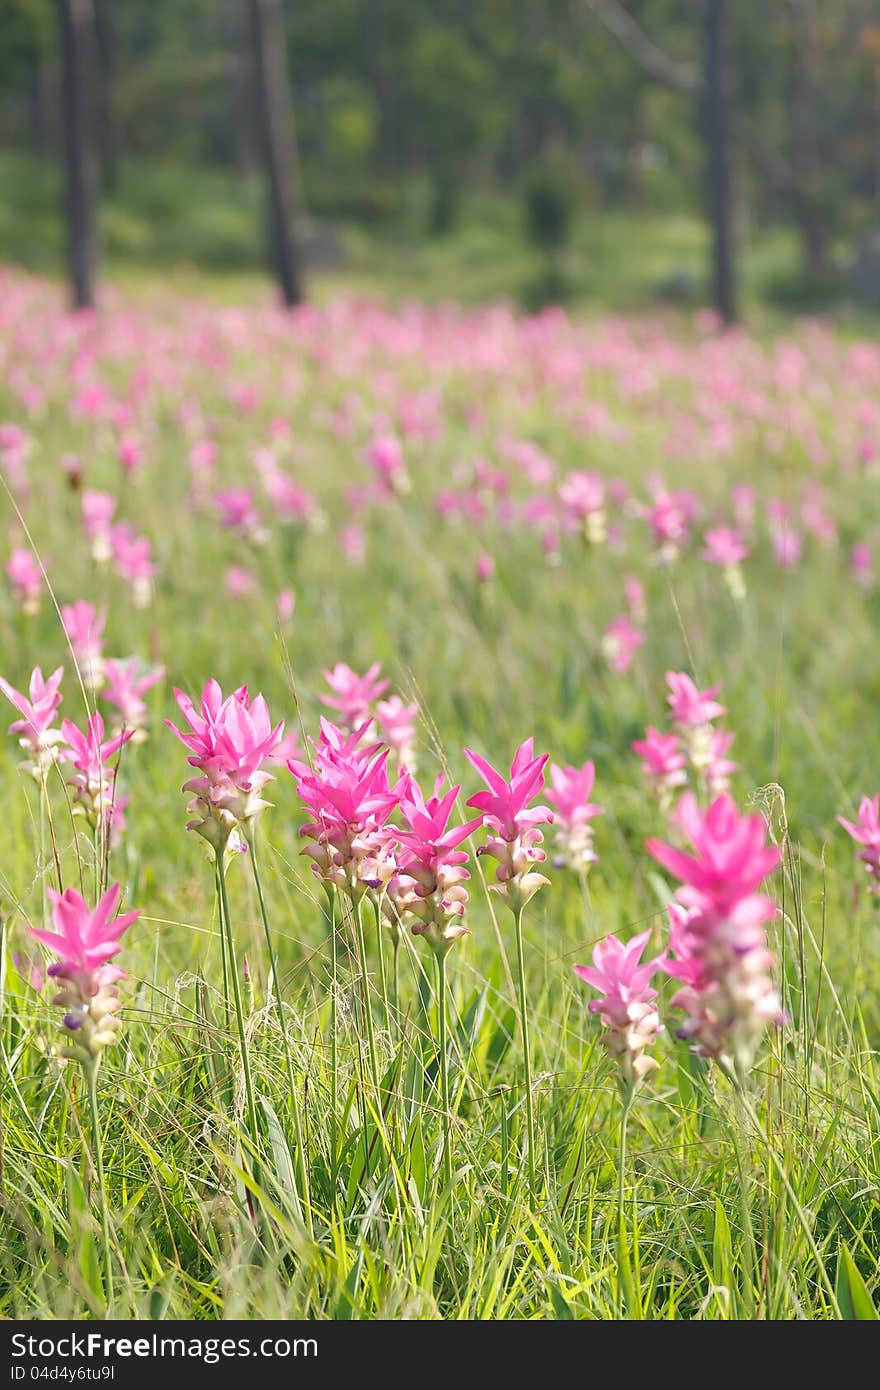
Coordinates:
(718,119)
(810,208)
(76,20)
(275,111)
(108,129)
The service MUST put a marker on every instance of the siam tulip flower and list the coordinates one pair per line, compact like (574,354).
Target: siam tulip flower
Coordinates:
(354,696)
(240,582)
(26,578)
(583,503)
(238,514)
(517,842)
(620,642)
(94,780)
(350,801)
(290,502)
(85,942)
(385,457)
(861,564)
(36,728)
(484,568)
(132,556)
(634,596)
(669,516)
(569,794)
(718,767)
(125,688)
(788,545)
(84,625)
(285,605)
(98,510)
(719,937)
(693,711)
(866,832)
(428,889)
(397,727)
(663,763)
(130,453)
(626,1005)
(726,549)
(353,541)
(743,499)
(229,741)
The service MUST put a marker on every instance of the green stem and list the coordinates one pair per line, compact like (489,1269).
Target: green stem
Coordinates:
(444,1066)
(236,994)
(334,1045)
(526,1045)
(282,1023)
(383,981)
(745,1198)
(366,1005)
(624,1277)
(91,1071)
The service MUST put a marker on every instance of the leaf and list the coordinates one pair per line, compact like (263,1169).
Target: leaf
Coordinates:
(853,1298)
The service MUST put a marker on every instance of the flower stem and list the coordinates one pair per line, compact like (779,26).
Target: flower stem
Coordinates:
(444,1065)
(334,1045)
(236,994)
(526,1045)
(624,1272)
(282,1023)
(365,1001)
(98,1155)
(383,981)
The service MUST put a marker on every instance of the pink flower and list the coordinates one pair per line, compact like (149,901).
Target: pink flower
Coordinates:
(94,780)
(583,501)
(98,510)
(229,741)
(428,888)
(354,543)
(238,513)
(691,707)
(663,762)
(634,595)
(485,567)
(517,842)
(240,582)
(569,794)
(724,547)
(620,642)
(397,727)
(84,625)
(125,688)
(719,936)
(861,564)
(346,791)
(353,696)
(26,578)
(626,1004)
(285,605)
(36,728)
(133,558)
(866,832)
(85,941)
(788,545)
(385,456)
(130,453)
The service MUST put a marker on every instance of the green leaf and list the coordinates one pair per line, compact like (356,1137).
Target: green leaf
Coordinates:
(855,1302)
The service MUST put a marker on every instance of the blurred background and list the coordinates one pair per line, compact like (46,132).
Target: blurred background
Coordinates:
(607,154)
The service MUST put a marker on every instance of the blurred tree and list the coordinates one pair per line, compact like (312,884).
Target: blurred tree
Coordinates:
(76,23)
(718,117)
(272,84)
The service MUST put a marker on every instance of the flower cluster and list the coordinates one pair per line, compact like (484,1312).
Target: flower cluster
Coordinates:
(718,937)
(517,842)
(626,1004)
(695,742)
(866,832)
(36,728)
(94,775)
(229,740)
(85,942)
(573,813)
(428,888)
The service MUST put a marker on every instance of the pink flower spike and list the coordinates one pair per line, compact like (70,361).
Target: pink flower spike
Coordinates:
(569,793)
(354,696)
(623,982)
(36,728)
(517,841)
(691,707)
(866,832)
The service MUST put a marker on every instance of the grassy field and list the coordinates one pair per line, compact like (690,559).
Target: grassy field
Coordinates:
(758,1201)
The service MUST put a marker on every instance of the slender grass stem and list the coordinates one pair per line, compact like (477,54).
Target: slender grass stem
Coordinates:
(98,1157)
(334,1042)
(383,980)
(236,994)
(282,1023)
(526,1044)
(366,1003)
(624,1277)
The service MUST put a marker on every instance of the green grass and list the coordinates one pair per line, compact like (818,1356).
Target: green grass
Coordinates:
(379,1233)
